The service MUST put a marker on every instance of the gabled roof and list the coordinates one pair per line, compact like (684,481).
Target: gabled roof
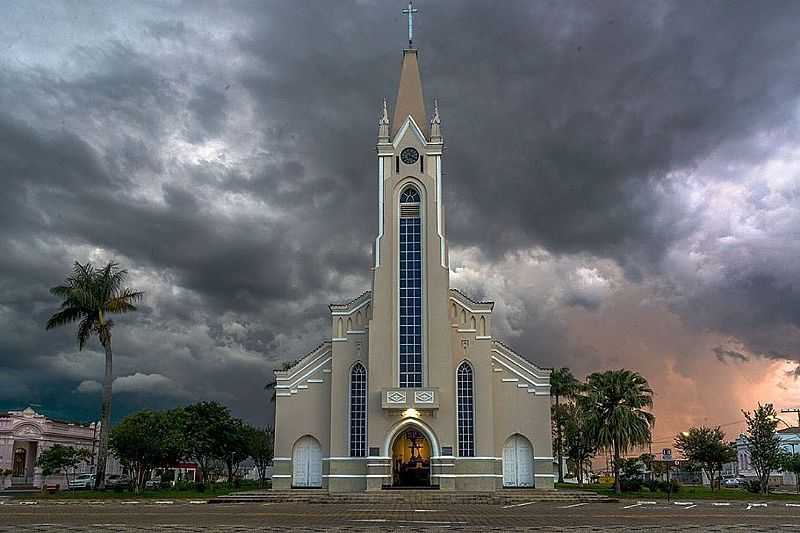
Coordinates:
(409,94)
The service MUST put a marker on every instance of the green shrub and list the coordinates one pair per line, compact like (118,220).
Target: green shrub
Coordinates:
(753,485)
(652,485)
(676,486)
(630,485)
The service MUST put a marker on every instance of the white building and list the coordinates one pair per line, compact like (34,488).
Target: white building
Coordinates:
(26,434)
(790,442)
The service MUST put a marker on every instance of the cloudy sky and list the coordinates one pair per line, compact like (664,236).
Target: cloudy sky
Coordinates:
(620,179)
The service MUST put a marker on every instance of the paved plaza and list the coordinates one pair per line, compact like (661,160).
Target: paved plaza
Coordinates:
(184,516)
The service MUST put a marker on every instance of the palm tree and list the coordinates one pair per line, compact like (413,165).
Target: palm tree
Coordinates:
(562,385)
(615,401)
(88,296)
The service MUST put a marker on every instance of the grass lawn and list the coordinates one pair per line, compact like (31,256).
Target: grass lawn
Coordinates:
(160,494)
(687,492)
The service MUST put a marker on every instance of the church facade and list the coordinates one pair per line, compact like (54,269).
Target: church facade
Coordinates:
(412,389)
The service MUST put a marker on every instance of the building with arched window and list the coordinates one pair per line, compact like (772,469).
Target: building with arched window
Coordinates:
(412,389)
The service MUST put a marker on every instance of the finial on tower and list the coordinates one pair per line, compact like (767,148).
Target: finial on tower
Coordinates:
(383,124)
(436,123)
(410,10)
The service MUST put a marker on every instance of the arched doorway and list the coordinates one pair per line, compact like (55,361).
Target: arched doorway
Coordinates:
(20,460)
(411,459)
(517,462)
(307,463)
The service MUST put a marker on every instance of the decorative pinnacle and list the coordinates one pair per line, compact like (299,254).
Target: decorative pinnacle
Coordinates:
(436,122)
(383,124)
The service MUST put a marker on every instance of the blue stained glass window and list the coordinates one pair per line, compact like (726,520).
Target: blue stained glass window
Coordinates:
(466,414)
(358,411)
(410,292)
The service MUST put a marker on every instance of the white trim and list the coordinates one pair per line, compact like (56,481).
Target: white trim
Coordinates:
(281,458)
(522,385)
(482,337)
(380,213)
(326,370)
(399,135)
(497,370)
(378,464)
(315,380)
(282,394)
(304,376)
(354,475)
(467,330)
(356,332)
(478,458)
(544,458)
(339,339)
(348,458)
(544,475)
(443,457)
(400,426)
(444,464)
(297,371)
(474,311)
(353,310)
(511,380)
(442,242)
(512,370)
(466,475)
(281,475)
(522,362)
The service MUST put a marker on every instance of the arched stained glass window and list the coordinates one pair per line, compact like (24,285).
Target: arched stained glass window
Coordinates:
(409,196)
(358,411)
(466,411)
(410,289)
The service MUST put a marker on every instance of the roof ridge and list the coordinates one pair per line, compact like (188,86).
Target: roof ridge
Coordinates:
(351,302)
(297,361)
(462,293)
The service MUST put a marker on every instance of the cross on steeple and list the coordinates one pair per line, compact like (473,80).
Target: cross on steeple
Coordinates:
(410,10)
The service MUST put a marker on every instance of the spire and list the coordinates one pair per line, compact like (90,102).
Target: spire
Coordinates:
(436,123)
(383,125)
(409,94)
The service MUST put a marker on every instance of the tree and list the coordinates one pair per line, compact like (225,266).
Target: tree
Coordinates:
(763,442)
(648,460)
(616,403)
(204,424)
(579,444)
(260,446)
(89,295)
(286,365)
(563,384)
(233,447)
(147,440)
(790,462)
(61,459)
(706,448)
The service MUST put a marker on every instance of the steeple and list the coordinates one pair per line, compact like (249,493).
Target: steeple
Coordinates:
(383,125)
(409,94)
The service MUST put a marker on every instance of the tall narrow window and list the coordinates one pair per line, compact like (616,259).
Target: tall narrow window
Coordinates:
(466,414)
(358,411)
(410,289)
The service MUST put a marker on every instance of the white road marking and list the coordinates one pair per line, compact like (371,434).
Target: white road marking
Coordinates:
(427,510)
(646,502)
(28,503)
(574,505)
(683,503)
(129,502)
(517,505)
(632,506)
(718,504)
(164,502)
(690,506)
(381,520)
(793,505)
(198,501)
(751,505)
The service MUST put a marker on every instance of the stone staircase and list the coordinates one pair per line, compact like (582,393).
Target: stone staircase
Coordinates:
(431,497)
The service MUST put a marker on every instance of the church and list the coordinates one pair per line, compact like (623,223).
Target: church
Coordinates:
(412,389)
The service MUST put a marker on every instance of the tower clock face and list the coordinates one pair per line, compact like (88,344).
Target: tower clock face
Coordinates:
(409,156)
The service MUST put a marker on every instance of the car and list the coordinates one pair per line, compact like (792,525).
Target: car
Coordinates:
(734,482)
(152,484)
(115,480)
(82,481)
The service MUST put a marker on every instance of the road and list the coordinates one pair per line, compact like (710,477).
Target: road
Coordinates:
(200,517)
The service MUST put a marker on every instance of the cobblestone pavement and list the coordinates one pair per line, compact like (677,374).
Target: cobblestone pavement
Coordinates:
(177,516)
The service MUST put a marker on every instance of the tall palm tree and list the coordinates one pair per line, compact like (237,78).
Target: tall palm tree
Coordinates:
(562,385)
(616,402)
(89,295)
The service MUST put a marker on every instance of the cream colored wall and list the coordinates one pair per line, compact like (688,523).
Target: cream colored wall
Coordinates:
(347,350)
(308,412)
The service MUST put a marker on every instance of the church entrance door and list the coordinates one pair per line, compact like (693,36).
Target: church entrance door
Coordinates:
(517,462)
(411,460)
(307,463)
(20,459)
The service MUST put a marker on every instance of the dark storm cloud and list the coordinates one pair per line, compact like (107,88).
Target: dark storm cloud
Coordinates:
(225,153)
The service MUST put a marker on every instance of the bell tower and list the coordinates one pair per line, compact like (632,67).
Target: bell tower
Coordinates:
(409,332)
